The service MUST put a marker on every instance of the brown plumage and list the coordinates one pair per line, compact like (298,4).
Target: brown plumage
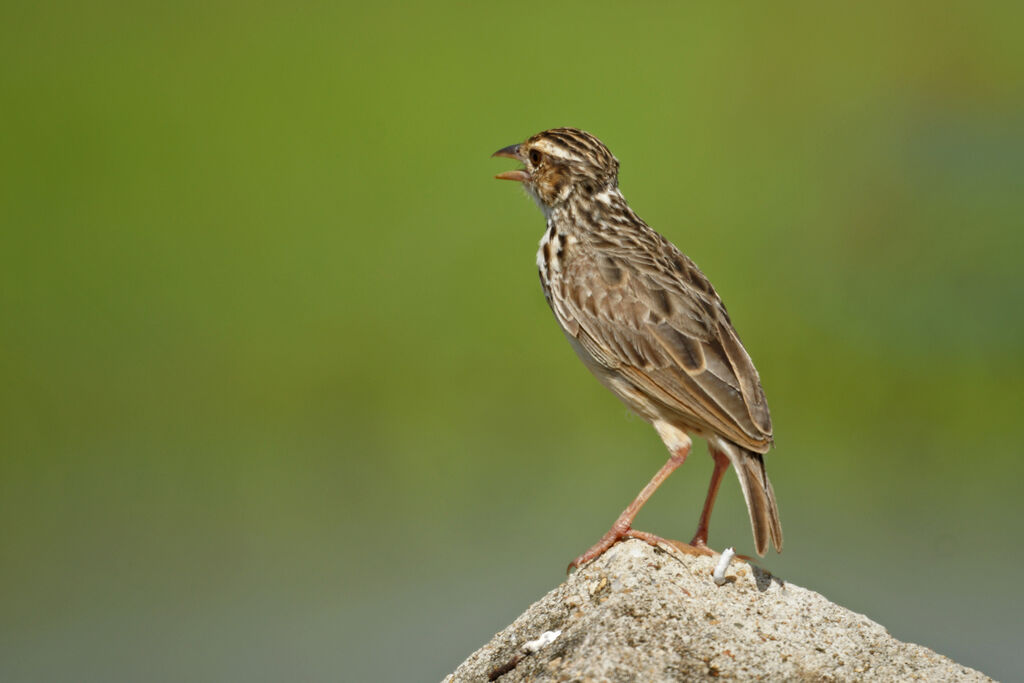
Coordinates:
(647,322)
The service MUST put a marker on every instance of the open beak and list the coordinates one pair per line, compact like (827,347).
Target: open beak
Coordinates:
(511,152)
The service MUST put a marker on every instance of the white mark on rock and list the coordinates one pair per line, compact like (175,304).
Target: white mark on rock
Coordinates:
(723,564)
(546,638)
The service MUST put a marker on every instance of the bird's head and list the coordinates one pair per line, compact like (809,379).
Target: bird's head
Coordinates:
(561,163)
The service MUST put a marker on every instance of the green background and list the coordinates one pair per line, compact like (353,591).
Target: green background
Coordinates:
(280,398)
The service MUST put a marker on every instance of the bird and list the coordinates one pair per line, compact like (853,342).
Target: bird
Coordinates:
(649,325)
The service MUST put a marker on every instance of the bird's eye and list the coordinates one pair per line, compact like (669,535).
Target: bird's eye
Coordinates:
(534,157)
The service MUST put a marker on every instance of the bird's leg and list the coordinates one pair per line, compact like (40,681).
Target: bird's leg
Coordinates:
(700,539)
(621,528)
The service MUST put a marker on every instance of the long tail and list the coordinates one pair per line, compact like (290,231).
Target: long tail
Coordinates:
(757,491)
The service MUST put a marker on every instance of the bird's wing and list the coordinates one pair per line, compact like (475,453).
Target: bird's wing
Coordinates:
(662,326)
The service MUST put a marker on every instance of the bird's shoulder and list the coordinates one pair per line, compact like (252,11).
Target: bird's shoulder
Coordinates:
(639,279)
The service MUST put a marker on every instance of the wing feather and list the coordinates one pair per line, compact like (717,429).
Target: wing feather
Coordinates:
(667,332)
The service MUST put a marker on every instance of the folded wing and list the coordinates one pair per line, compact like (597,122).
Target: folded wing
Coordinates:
(664,328)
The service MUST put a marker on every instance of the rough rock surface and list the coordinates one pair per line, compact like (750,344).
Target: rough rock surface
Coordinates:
(640,613)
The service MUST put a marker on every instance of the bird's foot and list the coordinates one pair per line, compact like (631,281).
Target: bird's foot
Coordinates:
(698,546)
(617,533)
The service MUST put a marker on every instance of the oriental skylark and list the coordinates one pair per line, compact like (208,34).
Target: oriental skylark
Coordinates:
(648,324)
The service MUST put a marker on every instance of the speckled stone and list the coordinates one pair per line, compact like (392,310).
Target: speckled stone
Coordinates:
(639,613)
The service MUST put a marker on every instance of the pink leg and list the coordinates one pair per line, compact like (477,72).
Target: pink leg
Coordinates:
(700,539)
(621,528)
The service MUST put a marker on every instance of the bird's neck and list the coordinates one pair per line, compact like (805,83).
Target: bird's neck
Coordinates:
(594,212)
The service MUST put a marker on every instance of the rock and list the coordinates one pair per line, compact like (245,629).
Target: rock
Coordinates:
(640,613)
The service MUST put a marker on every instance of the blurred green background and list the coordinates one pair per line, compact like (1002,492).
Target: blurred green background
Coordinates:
(281,398)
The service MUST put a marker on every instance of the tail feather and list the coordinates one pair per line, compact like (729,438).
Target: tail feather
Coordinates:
(760,497)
